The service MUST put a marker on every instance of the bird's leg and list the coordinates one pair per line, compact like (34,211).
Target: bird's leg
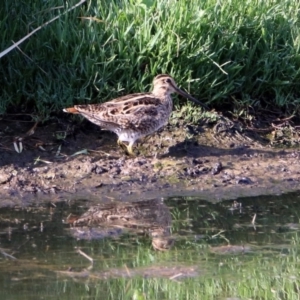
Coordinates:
(122,145)
(130,150)
(160,137)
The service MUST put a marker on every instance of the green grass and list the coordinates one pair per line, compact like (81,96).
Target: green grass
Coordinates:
(232,53)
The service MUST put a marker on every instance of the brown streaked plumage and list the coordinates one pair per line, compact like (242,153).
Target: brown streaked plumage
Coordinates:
(137,115)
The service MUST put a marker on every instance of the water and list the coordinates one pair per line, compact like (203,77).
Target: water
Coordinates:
(46,251)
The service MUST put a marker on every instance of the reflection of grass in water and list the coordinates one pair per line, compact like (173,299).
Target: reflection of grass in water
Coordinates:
(244,276)
(125,267)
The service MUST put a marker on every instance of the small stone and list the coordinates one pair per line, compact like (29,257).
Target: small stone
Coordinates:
(190,130)
(204,169)
(196,161)
(115,171)
(289,179)
(99,170)
(4,178)
(217,168)
(244,180)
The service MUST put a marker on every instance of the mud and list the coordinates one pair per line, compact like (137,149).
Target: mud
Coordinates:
(61,161)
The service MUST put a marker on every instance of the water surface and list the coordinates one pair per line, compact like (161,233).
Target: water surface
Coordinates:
(71,250)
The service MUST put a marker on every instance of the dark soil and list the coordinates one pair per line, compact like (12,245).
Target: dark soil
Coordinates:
(217,161)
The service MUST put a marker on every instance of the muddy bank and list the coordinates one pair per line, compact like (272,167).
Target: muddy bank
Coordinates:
(59,161)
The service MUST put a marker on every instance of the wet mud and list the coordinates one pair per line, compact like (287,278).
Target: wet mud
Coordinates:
(60,161)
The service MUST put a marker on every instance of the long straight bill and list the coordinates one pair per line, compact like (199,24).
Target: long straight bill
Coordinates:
(188,96)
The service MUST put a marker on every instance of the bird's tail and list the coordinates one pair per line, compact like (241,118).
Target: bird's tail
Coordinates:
(71,110)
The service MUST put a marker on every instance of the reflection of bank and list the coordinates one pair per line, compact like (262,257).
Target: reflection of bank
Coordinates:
(149,216)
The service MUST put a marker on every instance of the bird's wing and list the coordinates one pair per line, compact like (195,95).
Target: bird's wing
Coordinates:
(123,112)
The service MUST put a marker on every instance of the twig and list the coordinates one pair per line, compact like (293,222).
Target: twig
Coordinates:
(217,234)
(277,126)
(32,129)
(285,119)
(37,29)
(259,129)
(253,219)
(99,151)
(128,272)
(92,19)
(84,151)
(41,160)
(7,255)
(175,276)
(85,255)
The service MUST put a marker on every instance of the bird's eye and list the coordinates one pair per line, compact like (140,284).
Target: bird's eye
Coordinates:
(168,80)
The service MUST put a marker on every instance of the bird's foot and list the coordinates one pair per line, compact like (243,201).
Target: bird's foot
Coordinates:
(130,151)
(127,149)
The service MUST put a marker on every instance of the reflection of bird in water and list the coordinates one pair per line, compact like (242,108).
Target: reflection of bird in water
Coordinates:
(150,216)
(134,116)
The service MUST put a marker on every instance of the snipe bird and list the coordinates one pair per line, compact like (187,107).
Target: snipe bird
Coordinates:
(137,115)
